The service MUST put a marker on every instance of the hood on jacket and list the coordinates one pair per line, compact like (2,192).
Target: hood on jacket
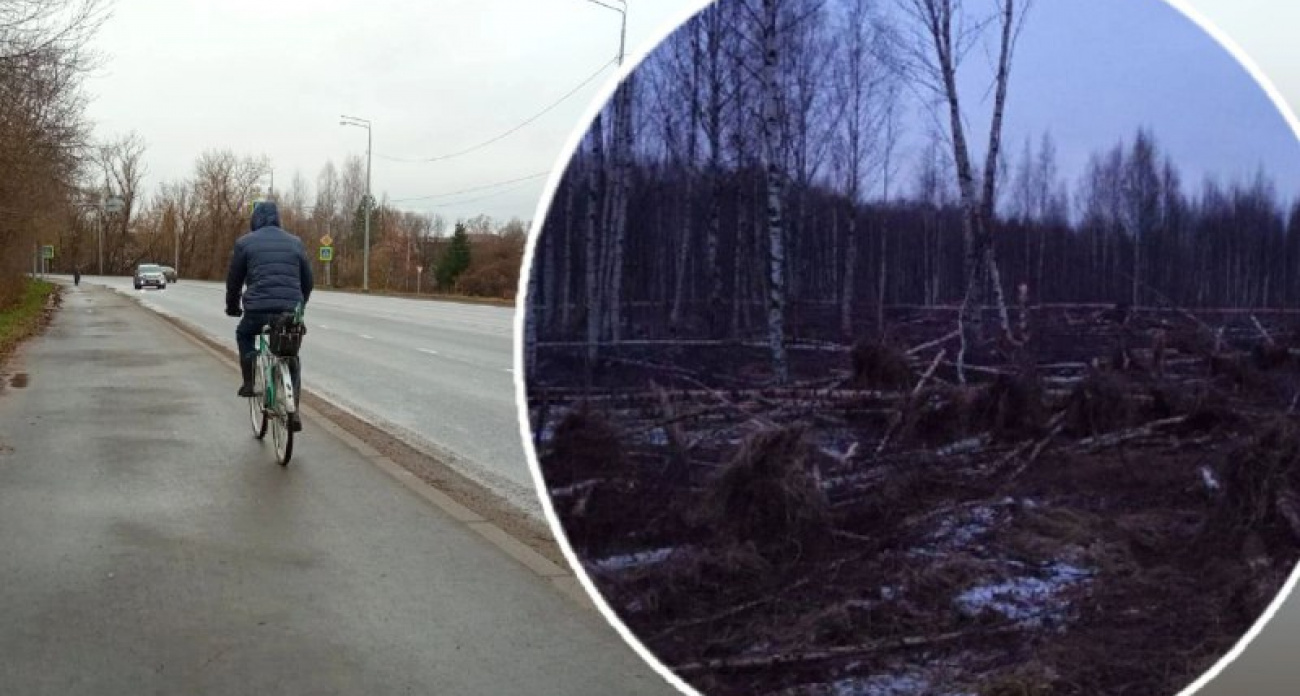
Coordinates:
(265,214)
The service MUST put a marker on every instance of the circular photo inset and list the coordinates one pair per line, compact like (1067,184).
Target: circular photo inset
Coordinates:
(894,347)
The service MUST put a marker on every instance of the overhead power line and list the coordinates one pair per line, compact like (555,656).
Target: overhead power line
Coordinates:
(465,201)
(484,187)
(510,132)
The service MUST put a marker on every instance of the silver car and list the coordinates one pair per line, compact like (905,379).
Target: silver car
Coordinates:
(150,275)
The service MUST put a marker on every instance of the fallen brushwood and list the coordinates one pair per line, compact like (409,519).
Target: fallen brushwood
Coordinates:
(1055,426)
(925,377)
(1112,439)
(931,344)
(862,649)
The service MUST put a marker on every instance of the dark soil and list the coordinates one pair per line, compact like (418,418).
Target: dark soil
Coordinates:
(1105,510)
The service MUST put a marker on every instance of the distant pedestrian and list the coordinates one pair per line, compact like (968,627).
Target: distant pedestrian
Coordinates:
(76,275)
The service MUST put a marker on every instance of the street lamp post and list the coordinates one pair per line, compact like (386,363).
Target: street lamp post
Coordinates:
(621,8)
(176,253)
(365,254)
(101,242)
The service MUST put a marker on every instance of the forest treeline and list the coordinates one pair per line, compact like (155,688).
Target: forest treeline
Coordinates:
(193,224)
(772,161)
(1226,244)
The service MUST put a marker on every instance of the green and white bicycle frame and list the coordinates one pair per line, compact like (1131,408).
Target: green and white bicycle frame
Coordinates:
(273,397)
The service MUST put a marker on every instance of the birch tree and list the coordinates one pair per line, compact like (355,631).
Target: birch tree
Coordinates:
(773,179)
(944,31)
(864,80)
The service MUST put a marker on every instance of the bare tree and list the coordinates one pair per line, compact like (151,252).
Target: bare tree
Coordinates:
(684,75)
(595,185)
(773,182)
(864,80)
(1141,204)
(122,163)
(616,225)
(943,34)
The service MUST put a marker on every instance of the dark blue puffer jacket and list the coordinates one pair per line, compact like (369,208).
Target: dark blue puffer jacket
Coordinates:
(272,262)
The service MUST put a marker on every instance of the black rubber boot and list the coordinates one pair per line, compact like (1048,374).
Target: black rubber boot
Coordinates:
(246,367)
(295,422)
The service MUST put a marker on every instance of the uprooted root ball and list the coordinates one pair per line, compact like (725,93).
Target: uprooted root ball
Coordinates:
(1100,404)
(768,495)
(1011,407)
(880,366)
(1261,484)
(939,415)
(585,445)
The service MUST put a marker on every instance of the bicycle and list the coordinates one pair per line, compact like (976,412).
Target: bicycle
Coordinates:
(273,397)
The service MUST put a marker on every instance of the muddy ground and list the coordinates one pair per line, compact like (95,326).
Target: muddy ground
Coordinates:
(1105,510)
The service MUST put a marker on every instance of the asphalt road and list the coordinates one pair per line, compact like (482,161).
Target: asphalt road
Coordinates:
(151,546)
(437,374)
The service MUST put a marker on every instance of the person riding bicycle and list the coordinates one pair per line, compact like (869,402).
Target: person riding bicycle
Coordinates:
(275,267)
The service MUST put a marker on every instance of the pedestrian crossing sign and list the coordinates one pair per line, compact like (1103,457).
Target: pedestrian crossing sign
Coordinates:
(326,253)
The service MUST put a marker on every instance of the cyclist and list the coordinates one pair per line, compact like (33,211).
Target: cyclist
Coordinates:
(274,265)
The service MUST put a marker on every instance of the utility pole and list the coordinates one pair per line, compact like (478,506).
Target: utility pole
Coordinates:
(103,208)
(110,204)
(176,257)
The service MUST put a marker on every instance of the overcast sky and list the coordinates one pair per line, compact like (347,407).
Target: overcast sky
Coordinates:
(435,78)
(273,77)
(1093,71)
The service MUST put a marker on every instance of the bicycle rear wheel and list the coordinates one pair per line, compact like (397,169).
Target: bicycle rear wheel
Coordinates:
(257,415)
(280,432)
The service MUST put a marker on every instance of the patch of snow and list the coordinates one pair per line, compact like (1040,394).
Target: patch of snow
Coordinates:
(573,489)
(962,446)
(880,685)
(630,561)
(1208,477)
(1026,600)
(657,437)
(556,416)
(547,434)
(959,532)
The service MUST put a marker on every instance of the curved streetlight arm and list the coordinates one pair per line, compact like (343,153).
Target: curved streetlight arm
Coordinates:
(622,11)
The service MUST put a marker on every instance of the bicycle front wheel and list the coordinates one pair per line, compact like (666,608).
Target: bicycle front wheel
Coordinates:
(257,415)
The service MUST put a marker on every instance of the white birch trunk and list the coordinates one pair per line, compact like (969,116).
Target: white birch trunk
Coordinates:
(593,242)
(773,181)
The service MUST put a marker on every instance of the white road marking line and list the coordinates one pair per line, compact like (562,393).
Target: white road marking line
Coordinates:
(510,369)
(430,352)
(368,338)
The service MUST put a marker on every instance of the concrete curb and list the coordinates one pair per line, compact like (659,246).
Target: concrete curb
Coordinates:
(559,577)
